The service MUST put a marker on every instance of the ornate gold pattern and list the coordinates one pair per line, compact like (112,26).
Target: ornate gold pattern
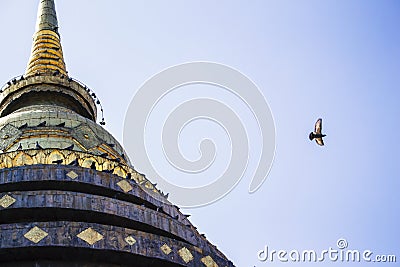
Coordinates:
(47,156)
(185,254)
(166,249)
(6,201)
(39,158)
(22,159)
(125,186)
(35,235)
(5,162)
(120,172)
(90,236)
(55,156)
(73,175)
(87,163)
(108,165)
(70,158)
(130,240)
(209,262)
(149,185)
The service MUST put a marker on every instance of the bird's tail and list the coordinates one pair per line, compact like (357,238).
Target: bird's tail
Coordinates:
(311,136)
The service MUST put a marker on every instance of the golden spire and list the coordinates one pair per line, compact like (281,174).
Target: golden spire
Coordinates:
(46,56)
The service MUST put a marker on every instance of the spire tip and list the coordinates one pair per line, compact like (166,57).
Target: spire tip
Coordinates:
(47,56)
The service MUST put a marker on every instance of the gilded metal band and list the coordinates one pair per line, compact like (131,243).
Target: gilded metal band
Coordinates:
(46,54)
(67,157)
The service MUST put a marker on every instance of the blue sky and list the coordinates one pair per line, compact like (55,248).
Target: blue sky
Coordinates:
(339,60)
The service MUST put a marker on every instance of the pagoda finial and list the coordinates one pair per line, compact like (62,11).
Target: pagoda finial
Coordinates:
(46,56)
(47,17)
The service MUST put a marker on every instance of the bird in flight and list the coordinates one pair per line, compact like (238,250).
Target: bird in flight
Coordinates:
(317,134)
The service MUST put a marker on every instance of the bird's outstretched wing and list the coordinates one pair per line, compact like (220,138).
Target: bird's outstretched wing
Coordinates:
(319,141)
(318,126)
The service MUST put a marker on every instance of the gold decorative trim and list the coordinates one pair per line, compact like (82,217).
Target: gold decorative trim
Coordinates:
(46,54)
(90,236)
(22,159)
(35,235)
(125,186)
(6,201)
(6,162)
(30,157)
(209,262)
(130,240)
(73,175)
(87,163)
(166,249)
(54,157)
(119,171)
(185,254)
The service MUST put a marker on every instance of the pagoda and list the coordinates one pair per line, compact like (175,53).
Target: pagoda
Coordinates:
(69,196)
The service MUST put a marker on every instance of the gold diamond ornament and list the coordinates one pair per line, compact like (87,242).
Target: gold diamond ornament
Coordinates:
(35,235)
(166,249)
(185,254)
(209,262)
(90,236)
(72,175)
(6,201)
(130,240)
(125,186)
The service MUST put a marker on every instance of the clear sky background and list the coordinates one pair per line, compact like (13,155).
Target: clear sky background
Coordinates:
(339,60)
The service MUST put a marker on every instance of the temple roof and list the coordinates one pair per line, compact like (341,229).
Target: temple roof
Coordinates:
(69,196)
